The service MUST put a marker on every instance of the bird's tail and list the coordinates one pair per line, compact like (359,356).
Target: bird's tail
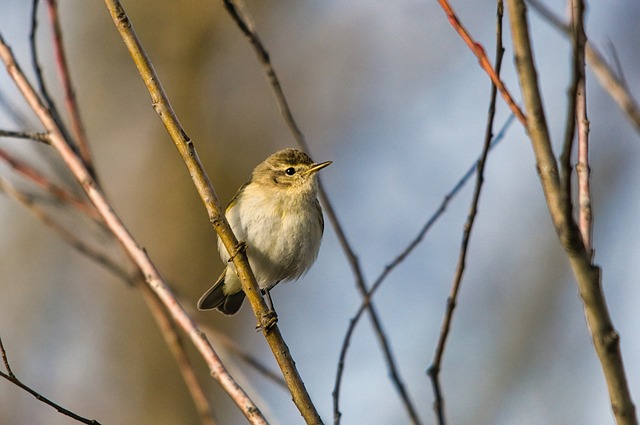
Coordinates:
(216,298)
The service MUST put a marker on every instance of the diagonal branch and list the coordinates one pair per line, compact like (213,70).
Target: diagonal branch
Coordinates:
(477,50)
(11,377)
(588,276)
(135,252)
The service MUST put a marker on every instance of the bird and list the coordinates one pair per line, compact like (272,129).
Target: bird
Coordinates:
(277,215)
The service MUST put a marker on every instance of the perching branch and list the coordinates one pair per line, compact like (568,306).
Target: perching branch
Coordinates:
(243,21)
(136,253)
(588,276)
(207,193)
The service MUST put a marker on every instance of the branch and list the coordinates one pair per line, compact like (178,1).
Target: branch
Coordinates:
(71,102)
(588,276)
(434,369)
(477,50)
(137,253)
(203,185)
(583,171)
(397,261)
(9,376)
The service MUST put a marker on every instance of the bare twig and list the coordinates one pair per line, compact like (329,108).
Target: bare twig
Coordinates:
(434,369)
(585,218)
(398,260)
(11,377)
(37,137)
(61,194)
(588,276)
(612,83)
(136,253)
(485,64)
(71,102)
(242,19)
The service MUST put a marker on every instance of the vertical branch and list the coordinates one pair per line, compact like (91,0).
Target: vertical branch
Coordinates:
(77,126)
(434,369)
(583,170)
(588,276)
(136,253)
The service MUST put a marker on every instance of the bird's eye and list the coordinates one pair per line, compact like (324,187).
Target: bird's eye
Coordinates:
(290,171)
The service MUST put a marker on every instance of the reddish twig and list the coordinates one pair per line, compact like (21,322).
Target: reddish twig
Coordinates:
(478,50)
(585,218)
(71,102)
(40,180)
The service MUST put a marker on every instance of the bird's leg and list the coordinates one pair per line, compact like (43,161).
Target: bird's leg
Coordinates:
(241,247)
(271,318)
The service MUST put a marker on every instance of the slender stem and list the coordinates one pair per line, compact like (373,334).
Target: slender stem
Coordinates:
(71,102)
(477,50)
(434,369)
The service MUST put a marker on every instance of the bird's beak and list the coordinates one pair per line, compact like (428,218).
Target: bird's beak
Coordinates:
(317,167)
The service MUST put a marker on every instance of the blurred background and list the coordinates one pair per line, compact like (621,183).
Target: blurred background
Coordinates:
(390,93)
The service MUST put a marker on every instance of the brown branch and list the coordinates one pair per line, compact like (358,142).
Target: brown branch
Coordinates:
(37,137)
(477,50)
(588,276)
(434,369)
(136,253)
(203,185)
(11,377)
(161,316)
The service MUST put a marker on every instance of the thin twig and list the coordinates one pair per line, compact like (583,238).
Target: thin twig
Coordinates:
(29,135)
(61,194)
(399,259)
(11,377)
(583,172)
(588,276)
(177,348)
(137,254)
(612,83)
(434,369)
(484,62)
(242,19)
(71,102)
